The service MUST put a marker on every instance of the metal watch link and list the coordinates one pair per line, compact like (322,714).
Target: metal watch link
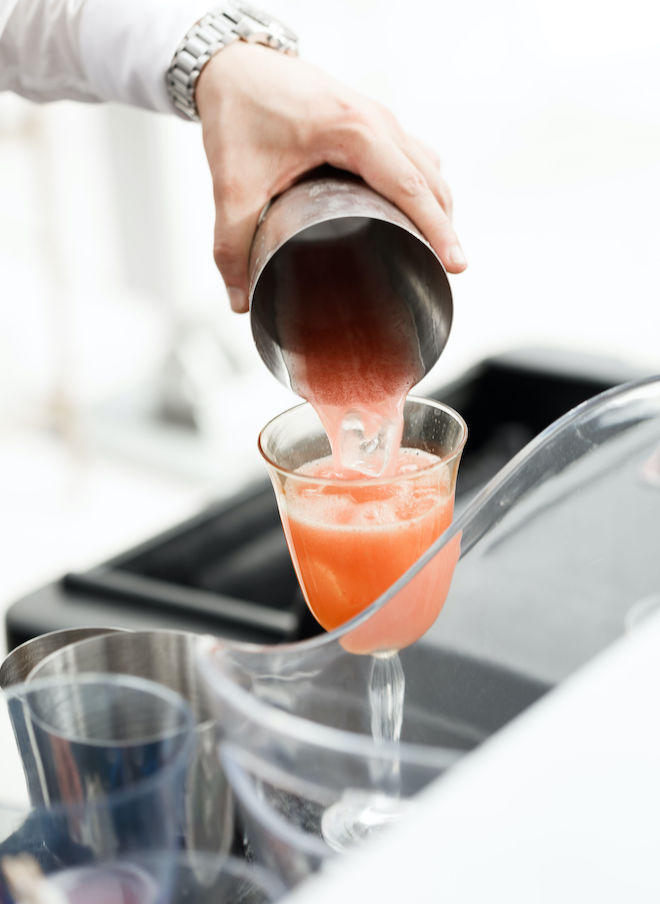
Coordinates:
(221,26)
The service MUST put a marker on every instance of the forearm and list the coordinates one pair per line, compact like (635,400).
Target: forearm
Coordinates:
(127,46)
(266,118)
(92,50)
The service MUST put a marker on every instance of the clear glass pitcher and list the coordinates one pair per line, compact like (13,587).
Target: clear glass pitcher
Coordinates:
(554,553)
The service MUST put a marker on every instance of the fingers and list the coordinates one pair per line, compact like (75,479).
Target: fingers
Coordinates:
(421,154)
(236,215)
(416,187)
(428,162)
(267,119)
(415,184)
(405,173)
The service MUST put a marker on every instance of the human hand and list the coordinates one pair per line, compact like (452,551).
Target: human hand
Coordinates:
(268,118)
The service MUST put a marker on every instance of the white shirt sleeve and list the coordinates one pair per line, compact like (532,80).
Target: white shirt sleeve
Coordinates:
(93,50)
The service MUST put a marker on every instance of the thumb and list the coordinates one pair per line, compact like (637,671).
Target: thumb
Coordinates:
(235,225)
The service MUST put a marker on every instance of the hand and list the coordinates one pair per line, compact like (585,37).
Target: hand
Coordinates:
(268,118)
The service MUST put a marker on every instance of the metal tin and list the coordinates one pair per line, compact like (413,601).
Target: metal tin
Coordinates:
(335,204)
(18,664)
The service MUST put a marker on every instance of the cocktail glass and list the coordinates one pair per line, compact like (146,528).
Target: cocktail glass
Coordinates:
(351,539)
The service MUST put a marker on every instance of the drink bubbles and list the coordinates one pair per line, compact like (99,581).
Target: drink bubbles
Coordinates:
(354,504)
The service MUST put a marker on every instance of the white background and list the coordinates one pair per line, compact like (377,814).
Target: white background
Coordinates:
(547,116)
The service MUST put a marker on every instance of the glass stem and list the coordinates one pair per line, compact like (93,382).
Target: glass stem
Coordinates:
(387,688)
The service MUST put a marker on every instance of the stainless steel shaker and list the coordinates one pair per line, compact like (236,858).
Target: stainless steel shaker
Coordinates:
(18,664)
(332,204)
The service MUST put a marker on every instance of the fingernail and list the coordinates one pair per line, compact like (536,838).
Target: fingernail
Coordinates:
(237,299)
(456,256)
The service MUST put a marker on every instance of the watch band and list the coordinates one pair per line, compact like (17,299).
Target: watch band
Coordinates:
(220,27)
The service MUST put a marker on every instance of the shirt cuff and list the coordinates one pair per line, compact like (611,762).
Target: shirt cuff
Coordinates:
(127,46)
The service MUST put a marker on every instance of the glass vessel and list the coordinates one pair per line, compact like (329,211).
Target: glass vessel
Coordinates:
(91,785)
(351,539)
(554,554)
(166,657)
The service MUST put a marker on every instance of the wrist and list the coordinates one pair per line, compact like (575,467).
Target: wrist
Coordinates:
(217,76)
(229,76)
(220,28)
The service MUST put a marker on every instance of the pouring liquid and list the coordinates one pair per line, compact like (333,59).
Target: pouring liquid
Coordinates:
(351,351)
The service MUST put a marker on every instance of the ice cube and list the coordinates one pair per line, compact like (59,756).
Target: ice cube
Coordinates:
(367,444)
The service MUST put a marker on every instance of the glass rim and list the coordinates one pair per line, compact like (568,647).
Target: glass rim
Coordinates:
(138,787)
(367,480)
(11,675)
(146,687)
(46,670)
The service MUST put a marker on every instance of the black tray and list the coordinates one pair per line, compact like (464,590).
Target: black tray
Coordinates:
(228,571)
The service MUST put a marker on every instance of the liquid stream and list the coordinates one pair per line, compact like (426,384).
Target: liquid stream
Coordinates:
(351,350)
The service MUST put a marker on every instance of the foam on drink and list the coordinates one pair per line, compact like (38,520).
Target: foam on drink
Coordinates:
(370,506)
(350,539)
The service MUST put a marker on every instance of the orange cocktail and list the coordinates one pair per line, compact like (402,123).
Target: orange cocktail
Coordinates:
(351,539)
(351,536)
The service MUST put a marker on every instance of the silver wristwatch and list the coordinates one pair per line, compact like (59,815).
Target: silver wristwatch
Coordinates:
(219,27)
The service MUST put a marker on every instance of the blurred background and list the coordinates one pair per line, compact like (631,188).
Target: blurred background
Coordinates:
(130,395)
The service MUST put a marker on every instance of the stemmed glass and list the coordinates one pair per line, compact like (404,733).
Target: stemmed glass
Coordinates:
(350,540)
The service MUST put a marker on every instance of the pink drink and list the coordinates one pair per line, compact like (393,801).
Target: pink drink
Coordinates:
(349,352)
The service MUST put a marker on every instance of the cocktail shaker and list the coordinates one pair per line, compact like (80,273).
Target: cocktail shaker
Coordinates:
(18,664)
(321,217)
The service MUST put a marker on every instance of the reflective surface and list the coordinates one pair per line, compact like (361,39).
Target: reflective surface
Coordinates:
(196,877)
(281,814)
(563,542)
(108,754)
(302,222)
(168,658)
(18,664)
